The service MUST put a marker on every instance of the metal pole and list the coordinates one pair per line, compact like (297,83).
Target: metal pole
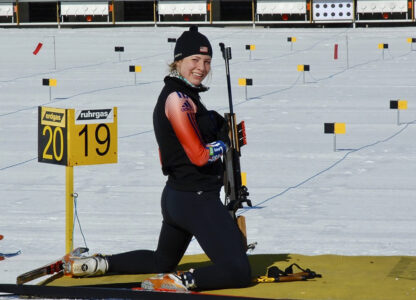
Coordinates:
(50,94)
(57,15)
(310,12)
(113,14)
(210,12)
(353,14)
(398,117)
(17,13)
(253,13)
(335,142)
(154,13)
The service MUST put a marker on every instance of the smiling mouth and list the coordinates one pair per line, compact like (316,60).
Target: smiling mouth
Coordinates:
(198,74)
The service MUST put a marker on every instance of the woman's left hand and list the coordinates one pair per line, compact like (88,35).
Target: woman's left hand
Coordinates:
(216,150)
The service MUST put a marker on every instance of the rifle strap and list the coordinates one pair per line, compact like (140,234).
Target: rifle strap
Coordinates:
(308,272)
(274,274)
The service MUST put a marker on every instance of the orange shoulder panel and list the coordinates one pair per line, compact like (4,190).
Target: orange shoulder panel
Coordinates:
(180,111)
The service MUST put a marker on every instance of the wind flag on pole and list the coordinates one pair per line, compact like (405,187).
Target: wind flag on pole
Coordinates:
(38,47)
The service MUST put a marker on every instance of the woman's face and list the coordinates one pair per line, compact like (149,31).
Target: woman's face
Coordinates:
(195,68)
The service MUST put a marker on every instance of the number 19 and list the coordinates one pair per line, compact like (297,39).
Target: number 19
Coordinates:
(99,138)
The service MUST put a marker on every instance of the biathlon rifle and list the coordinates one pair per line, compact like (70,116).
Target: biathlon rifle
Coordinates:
(236,192)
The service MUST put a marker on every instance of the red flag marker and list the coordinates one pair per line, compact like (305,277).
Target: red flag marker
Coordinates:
(37,48)
(1,237)
(336,51)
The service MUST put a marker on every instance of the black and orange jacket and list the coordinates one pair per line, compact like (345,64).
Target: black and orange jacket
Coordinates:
(182,150)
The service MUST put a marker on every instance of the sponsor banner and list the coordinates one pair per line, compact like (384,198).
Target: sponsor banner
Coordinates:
(52,135)
(53,116)
(91,116)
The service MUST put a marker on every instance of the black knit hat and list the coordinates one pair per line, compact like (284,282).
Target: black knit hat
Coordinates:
(190,43)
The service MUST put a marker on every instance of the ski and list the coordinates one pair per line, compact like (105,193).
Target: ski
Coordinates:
(49,269)
(7,255)
(3,256)
(94,292)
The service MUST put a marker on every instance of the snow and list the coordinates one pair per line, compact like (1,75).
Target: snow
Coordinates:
(308,198)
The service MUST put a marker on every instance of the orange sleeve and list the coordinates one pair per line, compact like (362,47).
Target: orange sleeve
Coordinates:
(180,111)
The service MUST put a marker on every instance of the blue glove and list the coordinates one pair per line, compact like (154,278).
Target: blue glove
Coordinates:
(216,149)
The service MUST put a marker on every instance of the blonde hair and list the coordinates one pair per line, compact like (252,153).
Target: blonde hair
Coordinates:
(173,66)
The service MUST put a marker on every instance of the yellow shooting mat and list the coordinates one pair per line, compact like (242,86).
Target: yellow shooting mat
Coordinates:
(343,277)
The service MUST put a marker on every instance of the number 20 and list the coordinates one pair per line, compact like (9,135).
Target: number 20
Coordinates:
(52,140)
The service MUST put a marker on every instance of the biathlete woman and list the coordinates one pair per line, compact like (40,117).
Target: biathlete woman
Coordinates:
(191,141)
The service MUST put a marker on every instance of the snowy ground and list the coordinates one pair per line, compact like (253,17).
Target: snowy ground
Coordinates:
(359,200)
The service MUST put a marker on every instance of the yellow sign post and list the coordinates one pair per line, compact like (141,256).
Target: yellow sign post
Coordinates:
(291,40)
(398,105)
(411,41)
(69,208)
(245,82)
(383,46)
(250,48)
(73,138)
(135,69)
(335,128)
(49,82)
(303,68)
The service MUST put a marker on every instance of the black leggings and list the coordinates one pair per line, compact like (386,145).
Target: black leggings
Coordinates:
(187,214)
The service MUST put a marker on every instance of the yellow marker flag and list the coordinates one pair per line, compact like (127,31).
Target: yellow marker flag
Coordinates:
(301,68)
(380,46)
(138,69)
(409,40)
(293,39)
(241,81)
(244,178)
(252,47)
(52,82)
(402,104)
(339,128)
